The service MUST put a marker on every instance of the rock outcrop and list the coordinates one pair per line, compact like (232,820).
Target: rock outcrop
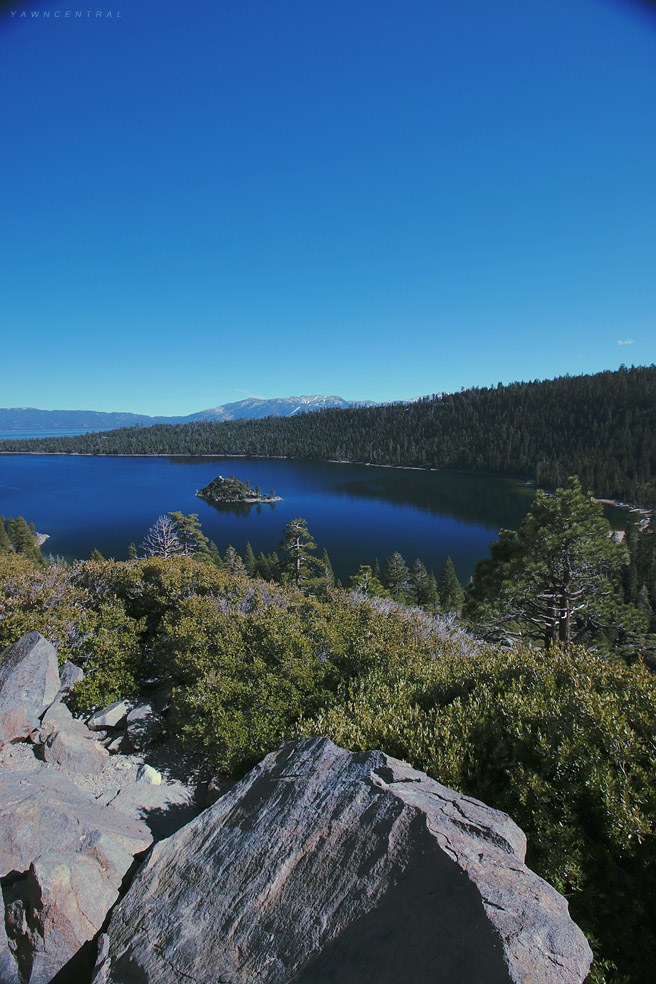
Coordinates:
(323,866)
(72,817)
(29,683)
(69,743)
(113,716)
(69,675)
(62,859)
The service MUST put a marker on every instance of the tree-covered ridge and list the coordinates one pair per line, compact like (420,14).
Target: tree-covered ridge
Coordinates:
(600,427)
(232,489)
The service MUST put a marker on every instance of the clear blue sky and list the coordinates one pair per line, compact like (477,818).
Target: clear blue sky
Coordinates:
(373,198)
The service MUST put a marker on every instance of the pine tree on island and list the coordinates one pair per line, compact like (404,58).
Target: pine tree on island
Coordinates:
(232,489)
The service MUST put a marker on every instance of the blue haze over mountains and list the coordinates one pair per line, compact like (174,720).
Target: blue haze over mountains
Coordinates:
(24,421)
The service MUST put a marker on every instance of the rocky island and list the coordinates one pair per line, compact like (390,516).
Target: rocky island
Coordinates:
(231,489)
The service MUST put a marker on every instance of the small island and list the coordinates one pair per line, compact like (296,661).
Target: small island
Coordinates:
(233,490)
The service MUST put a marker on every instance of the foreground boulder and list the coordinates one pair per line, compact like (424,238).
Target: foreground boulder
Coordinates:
(8,966)
(62,860)
(29,683)
(69,743)
(112,716)
(323,866)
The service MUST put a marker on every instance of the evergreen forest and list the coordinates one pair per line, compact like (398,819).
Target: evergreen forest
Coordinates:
(600,427)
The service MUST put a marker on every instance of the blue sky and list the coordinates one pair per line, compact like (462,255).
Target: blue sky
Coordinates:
(373,198)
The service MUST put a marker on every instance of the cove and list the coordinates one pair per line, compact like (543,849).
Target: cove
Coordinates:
(357,512)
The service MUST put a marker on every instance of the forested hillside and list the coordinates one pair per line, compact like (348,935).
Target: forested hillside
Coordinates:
(600,427)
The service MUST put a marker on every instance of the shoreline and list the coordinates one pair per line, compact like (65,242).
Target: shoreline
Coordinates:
(242,502)
(645,512)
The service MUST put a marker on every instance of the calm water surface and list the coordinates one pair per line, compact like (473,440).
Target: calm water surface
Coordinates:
(357,512)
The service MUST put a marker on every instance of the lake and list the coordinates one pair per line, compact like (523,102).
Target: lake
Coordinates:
(357,512)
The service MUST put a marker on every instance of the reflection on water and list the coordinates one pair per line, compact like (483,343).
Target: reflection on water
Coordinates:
(471,498)
(240,508)
(358,513)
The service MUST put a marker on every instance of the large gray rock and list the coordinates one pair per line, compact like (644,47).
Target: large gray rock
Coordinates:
(8,966)
(69,675)
(324,866)
(68,742)
(164,806)
(112,716)
(29,682)
(56,717)
(65,857)
(73,750)
(144,726)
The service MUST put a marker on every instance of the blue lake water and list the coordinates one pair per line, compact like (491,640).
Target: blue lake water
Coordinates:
(357,512)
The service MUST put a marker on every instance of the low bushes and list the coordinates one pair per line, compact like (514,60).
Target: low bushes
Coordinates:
(564,742)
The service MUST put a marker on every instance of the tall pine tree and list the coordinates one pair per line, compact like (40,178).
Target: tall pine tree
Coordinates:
(297,543)
(449,588)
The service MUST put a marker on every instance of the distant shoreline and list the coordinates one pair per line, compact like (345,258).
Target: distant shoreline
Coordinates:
(646,512)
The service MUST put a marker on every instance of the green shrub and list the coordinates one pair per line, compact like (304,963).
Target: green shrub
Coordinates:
(564,744)
(94,631)
(242,678)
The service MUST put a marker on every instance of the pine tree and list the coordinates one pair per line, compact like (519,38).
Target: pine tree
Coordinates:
(19,534)
(423,585)
(326,568)
(396,577)
(232,561)
(132,552)
(557,578)
(365,582)
(268,566)
(162,539)
(189,533)
(214,554)
(96,555)
(22,539)
(5,545)
(449,589)
(298,544)
(262,566)
(250,563)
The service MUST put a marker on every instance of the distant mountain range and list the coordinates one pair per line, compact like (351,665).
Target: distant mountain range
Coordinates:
(285,406)
(21,420)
